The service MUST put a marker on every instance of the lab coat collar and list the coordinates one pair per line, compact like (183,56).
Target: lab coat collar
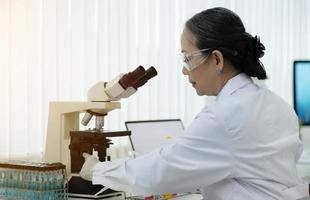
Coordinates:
(234,84)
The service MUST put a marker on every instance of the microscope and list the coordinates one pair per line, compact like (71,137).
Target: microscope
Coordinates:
(66,143)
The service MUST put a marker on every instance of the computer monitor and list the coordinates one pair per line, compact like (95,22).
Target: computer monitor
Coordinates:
(301,88)
(149,135)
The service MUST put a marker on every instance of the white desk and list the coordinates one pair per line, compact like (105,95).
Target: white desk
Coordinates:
(189,197)
(185,197)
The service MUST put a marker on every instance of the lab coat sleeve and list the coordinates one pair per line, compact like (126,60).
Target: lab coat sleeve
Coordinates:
(200,157)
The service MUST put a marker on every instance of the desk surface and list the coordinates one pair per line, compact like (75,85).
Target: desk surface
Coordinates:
(189,197)
(185,197)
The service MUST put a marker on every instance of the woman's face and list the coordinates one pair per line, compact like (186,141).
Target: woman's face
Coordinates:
(204,78)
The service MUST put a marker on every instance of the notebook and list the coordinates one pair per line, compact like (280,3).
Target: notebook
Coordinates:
(151,134)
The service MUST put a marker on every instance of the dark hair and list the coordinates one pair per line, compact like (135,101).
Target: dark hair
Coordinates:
(222,29)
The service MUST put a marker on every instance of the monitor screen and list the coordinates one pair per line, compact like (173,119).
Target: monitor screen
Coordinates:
(302,90)
(149,135)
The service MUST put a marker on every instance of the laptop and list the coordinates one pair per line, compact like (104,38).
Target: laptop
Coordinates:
(151,134)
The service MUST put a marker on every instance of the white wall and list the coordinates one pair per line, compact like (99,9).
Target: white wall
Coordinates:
(56,49)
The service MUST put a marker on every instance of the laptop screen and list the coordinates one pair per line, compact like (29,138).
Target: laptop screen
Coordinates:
(149,135)
(302,91)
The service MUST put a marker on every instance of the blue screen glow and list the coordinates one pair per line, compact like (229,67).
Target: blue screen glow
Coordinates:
(302,91)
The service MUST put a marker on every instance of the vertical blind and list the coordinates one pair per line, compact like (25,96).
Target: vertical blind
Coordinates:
(54,50)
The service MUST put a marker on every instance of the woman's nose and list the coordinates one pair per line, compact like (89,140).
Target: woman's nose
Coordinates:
(185,71)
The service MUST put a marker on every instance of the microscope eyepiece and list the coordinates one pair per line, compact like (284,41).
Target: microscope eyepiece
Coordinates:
(124,86)
(128,79)
(149,73)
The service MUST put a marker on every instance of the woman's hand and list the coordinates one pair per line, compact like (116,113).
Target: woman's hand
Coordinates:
(87,168)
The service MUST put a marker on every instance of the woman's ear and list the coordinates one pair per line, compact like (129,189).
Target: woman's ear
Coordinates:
(219,60)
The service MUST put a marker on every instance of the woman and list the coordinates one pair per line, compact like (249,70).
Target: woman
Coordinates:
(243,146)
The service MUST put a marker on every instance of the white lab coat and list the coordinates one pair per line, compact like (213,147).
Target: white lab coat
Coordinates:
(243,146)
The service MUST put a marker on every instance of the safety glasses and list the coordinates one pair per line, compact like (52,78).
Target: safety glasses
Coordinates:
(194,59)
